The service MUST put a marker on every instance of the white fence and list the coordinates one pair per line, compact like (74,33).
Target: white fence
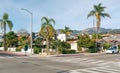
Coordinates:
(28,51)
(9,49)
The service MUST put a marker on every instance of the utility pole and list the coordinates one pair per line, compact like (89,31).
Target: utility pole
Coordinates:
(31,25)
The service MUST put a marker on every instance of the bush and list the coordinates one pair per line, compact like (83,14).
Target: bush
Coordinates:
(64,51)
(67,51)
(37,50)
(119,47)
(72,51)
(106,45)
(19,48)
(93,50)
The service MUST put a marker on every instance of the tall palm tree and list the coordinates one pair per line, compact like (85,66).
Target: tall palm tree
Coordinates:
(3,23)
(98,12)
(47,30)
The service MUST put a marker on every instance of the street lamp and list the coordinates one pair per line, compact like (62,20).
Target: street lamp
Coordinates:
(31,21)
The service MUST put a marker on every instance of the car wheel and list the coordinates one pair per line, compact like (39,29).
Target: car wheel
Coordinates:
(117,51)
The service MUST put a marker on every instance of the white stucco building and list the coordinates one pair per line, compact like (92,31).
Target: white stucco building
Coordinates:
(62,37)
(73,44)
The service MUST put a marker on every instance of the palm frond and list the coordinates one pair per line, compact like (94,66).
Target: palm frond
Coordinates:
(2,24)
(45,18)
(52,21)
(62,31)
(99,5)
(105,15)
(51,31)
(10,24)
(47,30)
(92,13)
(5,16)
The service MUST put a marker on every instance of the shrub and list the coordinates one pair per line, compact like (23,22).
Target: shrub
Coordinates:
(37,50)
(67,51)
(93,50)
(106,45)
(64,51)
(19,48)
(72,51)
(119,47)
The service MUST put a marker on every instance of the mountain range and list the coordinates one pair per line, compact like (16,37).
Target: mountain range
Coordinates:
(93,30)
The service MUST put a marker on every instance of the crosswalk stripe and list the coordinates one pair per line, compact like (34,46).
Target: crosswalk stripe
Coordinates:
(74,71)
(88,61)
(96,70)
(87,70)
(106,63)
(112,70)
(98,62)
(104,69)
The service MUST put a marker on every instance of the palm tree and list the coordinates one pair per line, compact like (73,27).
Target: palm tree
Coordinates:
(3,23)
(67,30)
(47,30)
(98,12)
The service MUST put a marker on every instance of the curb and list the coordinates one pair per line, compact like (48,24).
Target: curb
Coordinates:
(13,53)
(67,55)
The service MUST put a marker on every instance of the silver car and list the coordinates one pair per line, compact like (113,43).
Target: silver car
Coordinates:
(113,49)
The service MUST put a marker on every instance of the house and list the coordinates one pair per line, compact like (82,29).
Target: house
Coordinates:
(112,39)
(73,44)
(61,37)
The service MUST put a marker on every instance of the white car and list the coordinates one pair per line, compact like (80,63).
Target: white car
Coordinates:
(112,50)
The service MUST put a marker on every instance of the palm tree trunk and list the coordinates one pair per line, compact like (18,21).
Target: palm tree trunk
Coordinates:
(5,49)
(97,32)
(47,46)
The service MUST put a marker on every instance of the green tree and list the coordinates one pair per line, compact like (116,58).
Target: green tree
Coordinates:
(47,30)
(63,46)
(38,41)
(11,39)
(99,36)
(85,41)
(54,44)
(3,23)
(23,40)
(106,45)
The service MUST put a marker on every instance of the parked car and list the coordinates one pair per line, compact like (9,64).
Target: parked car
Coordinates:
(113,49)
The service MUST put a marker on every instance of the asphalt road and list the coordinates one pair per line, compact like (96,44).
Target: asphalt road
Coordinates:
(77,64)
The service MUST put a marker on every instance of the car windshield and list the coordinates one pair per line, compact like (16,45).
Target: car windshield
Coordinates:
(112,48)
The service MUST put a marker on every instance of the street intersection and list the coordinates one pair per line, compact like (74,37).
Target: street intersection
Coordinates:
(100,63)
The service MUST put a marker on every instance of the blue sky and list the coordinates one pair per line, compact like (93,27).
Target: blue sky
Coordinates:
(71,13)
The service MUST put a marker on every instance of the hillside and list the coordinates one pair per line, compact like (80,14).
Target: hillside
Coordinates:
(93,30)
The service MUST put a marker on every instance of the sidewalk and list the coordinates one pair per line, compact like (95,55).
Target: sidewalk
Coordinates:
(45,55)
(14,53)
(80,54)
(90,54)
